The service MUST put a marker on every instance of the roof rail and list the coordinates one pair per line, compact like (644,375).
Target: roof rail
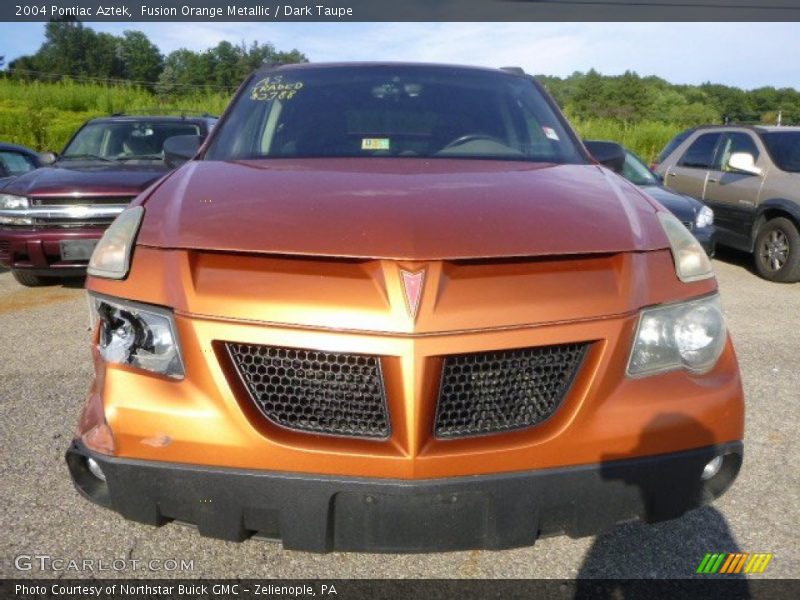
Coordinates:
(514,70)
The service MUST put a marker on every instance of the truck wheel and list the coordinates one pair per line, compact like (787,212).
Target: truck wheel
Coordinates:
(31,280)
(777,251)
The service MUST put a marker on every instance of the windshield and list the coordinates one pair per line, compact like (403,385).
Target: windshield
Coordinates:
(393,111)
(636,171)
(784,147)
(15,163)
(123,140)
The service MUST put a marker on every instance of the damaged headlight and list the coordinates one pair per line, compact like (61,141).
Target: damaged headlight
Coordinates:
(691,261)
(138,335)
(689,335)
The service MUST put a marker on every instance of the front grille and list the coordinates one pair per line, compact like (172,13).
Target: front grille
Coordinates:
(74,211)
(80,201)
(491,392)
(101,222)
(315,391)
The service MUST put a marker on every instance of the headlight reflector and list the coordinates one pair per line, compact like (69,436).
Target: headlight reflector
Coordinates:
(691,261)
(690,335)
(704,218)
(138,335)
(111,258)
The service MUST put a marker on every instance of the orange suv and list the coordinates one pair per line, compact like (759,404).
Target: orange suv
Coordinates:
(398,307)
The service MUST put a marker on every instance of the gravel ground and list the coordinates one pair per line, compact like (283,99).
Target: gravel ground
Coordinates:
(45,372)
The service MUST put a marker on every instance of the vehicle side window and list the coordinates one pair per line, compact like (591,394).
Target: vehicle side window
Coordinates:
(14,163)
(735,142)
(673,144)
(700,154)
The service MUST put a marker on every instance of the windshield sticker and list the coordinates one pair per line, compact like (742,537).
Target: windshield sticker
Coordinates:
(550,133)
(275,88)
(375,144)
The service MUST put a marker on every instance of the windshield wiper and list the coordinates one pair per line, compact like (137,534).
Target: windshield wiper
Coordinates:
(84,157)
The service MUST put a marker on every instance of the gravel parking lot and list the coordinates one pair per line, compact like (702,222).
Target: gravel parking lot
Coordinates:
(45,372)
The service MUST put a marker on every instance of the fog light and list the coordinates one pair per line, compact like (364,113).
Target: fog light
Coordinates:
(95,469)
(712,468)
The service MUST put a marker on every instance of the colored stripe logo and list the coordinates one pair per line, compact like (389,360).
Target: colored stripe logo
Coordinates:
(728,564)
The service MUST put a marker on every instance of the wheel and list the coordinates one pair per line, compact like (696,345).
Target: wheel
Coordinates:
(777,251)
(31,280)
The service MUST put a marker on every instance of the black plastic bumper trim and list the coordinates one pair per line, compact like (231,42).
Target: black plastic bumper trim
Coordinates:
(323,513)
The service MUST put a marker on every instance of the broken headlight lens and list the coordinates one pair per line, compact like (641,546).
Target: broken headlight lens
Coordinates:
(138,335)
(689,335)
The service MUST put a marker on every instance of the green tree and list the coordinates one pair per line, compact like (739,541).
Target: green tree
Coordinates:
(141,59)
(629,98)
(223,66)
(591,96)
(182,69)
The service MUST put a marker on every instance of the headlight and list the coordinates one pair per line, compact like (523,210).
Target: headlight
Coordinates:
(691,261)
(111,258)
(689,335)
(138,335)
(11,202)
(704,218)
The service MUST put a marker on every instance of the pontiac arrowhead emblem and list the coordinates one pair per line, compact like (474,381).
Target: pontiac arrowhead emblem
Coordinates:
(412,286)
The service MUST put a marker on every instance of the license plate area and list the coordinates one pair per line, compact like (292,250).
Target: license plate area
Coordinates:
(388,523)
(77,250)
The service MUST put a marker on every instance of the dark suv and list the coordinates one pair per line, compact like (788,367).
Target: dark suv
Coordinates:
(750,177)
(51,218)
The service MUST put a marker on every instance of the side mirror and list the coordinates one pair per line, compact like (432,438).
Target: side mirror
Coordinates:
(608,154)
(180,148)
(48,158)
(744,162)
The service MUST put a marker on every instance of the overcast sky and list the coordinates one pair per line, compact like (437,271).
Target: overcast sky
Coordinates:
(747,55)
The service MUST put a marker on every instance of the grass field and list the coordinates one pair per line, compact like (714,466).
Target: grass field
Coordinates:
(45,115)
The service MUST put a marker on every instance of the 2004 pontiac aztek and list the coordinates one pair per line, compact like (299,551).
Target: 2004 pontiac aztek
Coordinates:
(397,307)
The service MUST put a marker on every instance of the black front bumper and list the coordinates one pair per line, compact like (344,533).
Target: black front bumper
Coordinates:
(324,513)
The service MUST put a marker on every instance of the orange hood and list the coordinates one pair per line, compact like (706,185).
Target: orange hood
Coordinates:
(396,208)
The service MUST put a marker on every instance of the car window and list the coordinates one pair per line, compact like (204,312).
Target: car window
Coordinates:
(126,139)
(735,142)
(15,163)
(700,155)
(635,171)
(393,111)
(673,144)
(784,147)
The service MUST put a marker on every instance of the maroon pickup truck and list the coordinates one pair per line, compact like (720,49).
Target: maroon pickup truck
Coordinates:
(51,218)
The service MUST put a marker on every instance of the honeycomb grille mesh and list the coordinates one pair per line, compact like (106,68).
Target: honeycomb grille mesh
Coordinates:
(314,391)
(492,392)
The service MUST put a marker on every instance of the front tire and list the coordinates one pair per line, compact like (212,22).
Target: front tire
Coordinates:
(31,280)
(777,251)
